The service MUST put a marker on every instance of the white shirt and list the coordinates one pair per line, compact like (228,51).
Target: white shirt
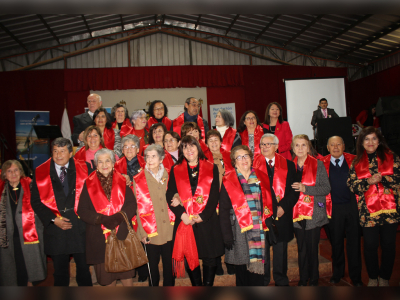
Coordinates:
(90,113)
(58,168)
(341,159)
(273,161)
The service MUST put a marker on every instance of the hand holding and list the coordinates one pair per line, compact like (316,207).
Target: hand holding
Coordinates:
(299,187)
(175,202)
(63,223)
(280,212)
(185,219)
(197,219)
(128,180)
(146,240)
(81,138)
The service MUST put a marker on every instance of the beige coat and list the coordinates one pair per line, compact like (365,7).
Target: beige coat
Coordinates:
(160,205)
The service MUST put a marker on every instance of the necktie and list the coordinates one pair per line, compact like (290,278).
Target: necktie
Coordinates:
(337,162)
(325,114)
(270,163)
(62,174)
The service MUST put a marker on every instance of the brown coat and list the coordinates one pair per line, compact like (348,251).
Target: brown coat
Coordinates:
(157,195)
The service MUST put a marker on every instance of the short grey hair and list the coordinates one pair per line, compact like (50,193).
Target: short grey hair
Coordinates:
(103,151)
(137,114)
(62,142)
(270,135)
(327,143)
(130,137)
(227,117)
(188,102)
(157,148)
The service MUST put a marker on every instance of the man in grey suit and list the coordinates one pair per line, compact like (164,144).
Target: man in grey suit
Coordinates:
(323,113)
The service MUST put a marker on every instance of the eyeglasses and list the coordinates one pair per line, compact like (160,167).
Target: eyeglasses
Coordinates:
(159,109)
(129,147)
(267,145)
(194,104)
(170,141)
(241,157)
(250,118)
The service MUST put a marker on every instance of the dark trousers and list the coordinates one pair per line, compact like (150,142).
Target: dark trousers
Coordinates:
(154,252)
(246,278)
(386,235)
(279,263)
(345,223)
(61,269)
(307,244)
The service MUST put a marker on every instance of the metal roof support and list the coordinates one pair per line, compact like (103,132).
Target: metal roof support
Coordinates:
(13,62)
(272,52)
(88,44)
(87,25)
(233,22)
(122,22)
(266,27)
(317,18)
(351,26)
(13,36)
(312,61)
(197,22)
(129,53)
(49,29)
(40,56)
(354,76)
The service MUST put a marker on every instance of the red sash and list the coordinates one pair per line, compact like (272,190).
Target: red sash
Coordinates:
(168,162)
(109,138)
(327,161)
(28,215)
(81,154)
(145,206)
(126,122)
(258,133)
(305,205)
(99,198)
(122,167)
(228,139)
(194,205)
(378,200)
(178,122)
(167,122)
(226,157)
(280,173)
(206,151)
(81,175)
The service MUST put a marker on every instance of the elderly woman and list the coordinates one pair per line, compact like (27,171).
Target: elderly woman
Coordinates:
(245,210)
(120,116)
(172,141)
(103,196)
(138,119)
(251,131)
(155,220)
(197,233)
(309,213)
(274,123)
(158,112)
(156,136)
(22,258)
(224,121)
(375,176)
(111,137)
(191,128)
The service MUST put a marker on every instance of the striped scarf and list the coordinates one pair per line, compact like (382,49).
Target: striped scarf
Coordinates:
(255,237)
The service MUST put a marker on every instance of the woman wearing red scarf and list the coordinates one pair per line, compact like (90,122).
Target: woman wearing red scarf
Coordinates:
(120,116)
(197,233)
(374,176)
(139,121)
(158,112)
(224,122)
(22,258)
(104,194)
(191,128)
(274,123)
(251,131)
(309,214)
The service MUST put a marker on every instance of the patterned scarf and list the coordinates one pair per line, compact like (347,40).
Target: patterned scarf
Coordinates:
(255,236)
(106,183)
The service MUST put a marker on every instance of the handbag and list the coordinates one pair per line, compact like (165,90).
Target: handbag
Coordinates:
(124,255)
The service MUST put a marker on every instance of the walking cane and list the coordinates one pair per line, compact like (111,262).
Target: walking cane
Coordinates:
(148,266)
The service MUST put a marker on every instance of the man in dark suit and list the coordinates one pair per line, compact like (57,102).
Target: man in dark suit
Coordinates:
(83,121)
(284,198)
(323,113)
(344,214)
(53,200)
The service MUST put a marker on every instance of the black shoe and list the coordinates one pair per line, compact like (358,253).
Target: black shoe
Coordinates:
(230,268)
(208,275)
(195,276)
(302,283)
(358,283)
(314,282)
(334,280)
(142,278)
(219,271)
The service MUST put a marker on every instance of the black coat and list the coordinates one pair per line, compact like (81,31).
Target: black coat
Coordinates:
(317,114)
(56,240)
(81,122)
(207,233)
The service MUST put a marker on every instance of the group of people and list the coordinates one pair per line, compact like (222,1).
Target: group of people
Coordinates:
(197,194)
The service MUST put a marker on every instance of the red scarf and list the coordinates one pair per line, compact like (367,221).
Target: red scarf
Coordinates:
(28,215)
(167,122)
(228,139)
(206,151)
(81,154)
(258,133)
(99,199)
(109,138)
(145,206)
(185,243)
(178,122)
(126,122)
(378,200)
(226,157)
(327,161)
(305,205)
(168,162)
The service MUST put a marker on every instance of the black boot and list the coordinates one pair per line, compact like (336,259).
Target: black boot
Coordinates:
(219,271)
(230,268)
(208,275)
(195,276)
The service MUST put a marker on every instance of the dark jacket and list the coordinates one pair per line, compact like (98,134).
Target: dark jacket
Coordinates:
(81,122)
(56,240)
(317,114)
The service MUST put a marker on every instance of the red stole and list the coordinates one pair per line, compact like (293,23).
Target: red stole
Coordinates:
(99,199)
(28,215)
(305,205)
(206,151)
(168,162)
(258,133)
(126,122)
(327,162)
(228,139)
(121,165)
(378,200)
(81,154)
(82,171)
(145,206)
(167,122)
(109,138)
(226,157)
(178,122)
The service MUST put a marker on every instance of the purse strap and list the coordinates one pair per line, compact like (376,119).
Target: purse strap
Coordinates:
(126,220)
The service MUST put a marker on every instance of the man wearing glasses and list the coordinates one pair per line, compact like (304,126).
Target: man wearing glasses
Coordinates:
(281,173)
(191,114)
